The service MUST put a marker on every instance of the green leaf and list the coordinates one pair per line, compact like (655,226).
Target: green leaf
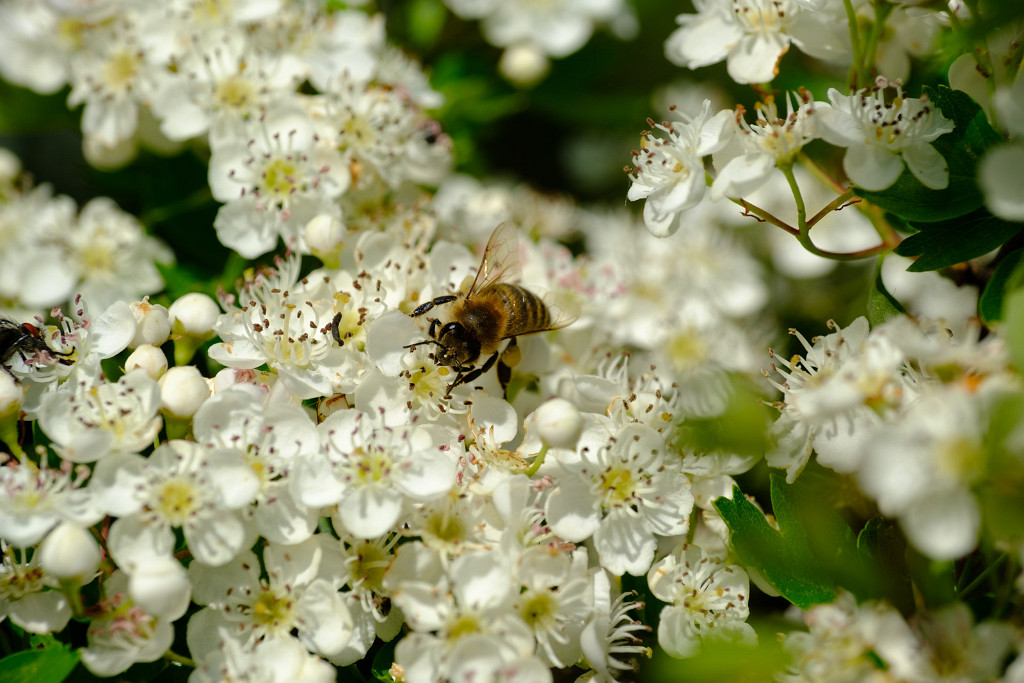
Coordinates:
(382,661)
(50,665)
(815,551)
(881,304)
(943,244)
(785,561)
(1008,277)
(961,148)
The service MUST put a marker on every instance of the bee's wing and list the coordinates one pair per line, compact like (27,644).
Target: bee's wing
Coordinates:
(562,309)
(500,262)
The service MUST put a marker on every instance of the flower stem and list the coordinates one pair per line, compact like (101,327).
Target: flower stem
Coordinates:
(996,563)
(855,75)
(537,461)
(839,202)
(882,10)
(764,216)
(179,659)
(803,233)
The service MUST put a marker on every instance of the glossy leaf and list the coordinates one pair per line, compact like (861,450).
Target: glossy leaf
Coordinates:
(943,244)
(1008,277)
(49,665)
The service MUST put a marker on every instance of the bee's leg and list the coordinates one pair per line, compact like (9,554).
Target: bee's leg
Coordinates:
(510,358)
(474,373)
(438,301)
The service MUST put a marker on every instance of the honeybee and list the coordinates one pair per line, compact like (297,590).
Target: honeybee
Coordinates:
(25,340)
(492,310)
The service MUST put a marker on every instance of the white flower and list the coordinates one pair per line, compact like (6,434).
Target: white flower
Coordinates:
(448,613)
(669,173)
(997,174)
(553,601)
(610,633)
(35,499)
(345,41)
(273,660)
(294,328)
(181,484)
(29,597)
(274,182)
(36,53)
(556,28)
(851,642)
(112,77)
(123,633)
(881,136)
(369,469)
(921,467)
(88,420)
(112,255)
(770,142)
(836,397)
(271,438)
(299,593)
(382,135)
(707,599)
(752,35)
(620,488)
(220,82)
(1002,184)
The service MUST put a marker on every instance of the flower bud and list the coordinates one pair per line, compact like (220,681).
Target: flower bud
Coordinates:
(160,586)
(325,237)
(12,395)
(523,65)
(194,315)
(70,552)
(558,423)
(153,324)
(148,357)
(182,391)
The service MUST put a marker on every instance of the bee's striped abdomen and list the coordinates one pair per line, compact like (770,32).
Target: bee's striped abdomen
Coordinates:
(527,312)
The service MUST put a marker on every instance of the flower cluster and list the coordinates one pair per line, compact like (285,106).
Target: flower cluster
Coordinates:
(448,428)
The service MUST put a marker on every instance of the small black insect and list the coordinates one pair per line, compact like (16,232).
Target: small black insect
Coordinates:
(25,340)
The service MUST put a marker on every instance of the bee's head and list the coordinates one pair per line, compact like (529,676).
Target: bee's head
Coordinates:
(457,347)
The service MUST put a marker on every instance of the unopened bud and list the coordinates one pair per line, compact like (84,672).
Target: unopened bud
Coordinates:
(153,324)
(558,423)
(325,237)
(149,358)
(12,395)
(182,391)
(194,315)
(70,552)
(160,586)
(523,65)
